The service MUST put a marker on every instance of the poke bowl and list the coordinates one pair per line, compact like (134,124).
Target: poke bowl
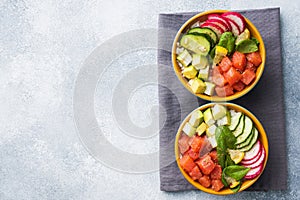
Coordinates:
(221,149)
(218,55)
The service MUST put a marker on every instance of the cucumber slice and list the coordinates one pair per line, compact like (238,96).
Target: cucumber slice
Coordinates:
(253,141)
(235,121)
(212,43)
(207,31)
(247,141)
(246,132)
(196,43)
(240,128)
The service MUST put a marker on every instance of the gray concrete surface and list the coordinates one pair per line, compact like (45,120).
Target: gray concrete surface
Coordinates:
(43,45)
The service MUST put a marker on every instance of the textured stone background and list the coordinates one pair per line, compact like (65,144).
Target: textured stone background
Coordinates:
(42,47)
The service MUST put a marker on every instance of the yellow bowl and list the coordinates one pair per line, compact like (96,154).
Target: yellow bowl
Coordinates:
(202,17)
(262,137)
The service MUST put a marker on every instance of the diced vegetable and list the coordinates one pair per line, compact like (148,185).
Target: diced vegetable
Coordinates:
(204,73)
(210,88)
(210,131)
(201,128)
(218,111)
(198,86)
(199,61)
(196,43)
(184,58)
(189,129)
(208,117)
(196,118)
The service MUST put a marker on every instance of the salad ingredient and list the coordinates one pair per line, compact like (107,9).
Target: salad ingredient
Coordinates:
(189,72)
(208,117)
(239,86)
(227,41)
(234,27)
(216,172)
(183,143)
(217,29)
(219,23)
(192,154)
(184,58)
(204,73)
(225,64)
(226,120)
(187,163)
(196,43)
(254,58)
(198,86)
(237,172)
(212,141)
(199,61)
(246,142)
(210,131)
(232,76)
(195,173)
(237,18)
(246,131)
(239,129)
(258,162)
(207,31)
(197,143)
(196,118)
(227,90)
(206,164)
(236,155)
(243,36)
(252,142)
(210,88)
(221,18)
(239,61)
(253,173)
(247,46)
(225,139)
(248,76)
(235,120)
(220,53)
(189,129)
(217,185)
(218,111)
(205,181)
(218,79)
(201,128)
(249,155)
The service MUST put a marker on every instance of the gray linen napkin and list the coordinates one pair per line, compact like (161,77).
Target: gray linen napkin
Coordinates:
(265,101)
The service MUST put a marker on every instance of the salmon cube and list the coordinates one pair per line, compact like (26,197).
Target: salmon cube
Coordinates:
(217,185)
(206,164)
(219,79)
(196,143)
(195,173)
(193,155)
(225,64)
(239,86)
(214,156)
(205,181)
(239,61)
(227,90)
(183,143)
(232,76)
(248,76)
(216,173)
(254,58)
(187,163)
(250,66)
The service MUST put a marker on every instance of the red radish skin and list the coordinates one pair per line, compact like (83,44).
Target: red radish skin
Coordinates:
(237,18)
(259,162)
(234,27)
(220,17)
(249,162)
(214,27)
(220,23)
(249,155)
(253,173)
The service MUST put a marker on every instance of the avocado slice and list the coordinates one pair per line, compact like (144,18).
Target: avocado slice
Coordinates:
(201,128)
(199,61)
(218,111)
(198,86)
(189,72)
(210,131)
(208,117)
(184,58)
(196,118)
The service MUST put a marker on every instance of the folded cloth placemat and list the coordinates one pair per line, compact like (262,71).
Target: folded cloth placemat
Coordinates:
(265,101)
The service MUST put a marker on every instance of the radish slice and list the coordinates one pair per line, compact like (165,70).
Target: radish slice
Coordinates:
(253,173)
(220,23)
(259,161)
(249,162)
(249,155)
(221,18)
(234,27)
(214,27)
(237,18)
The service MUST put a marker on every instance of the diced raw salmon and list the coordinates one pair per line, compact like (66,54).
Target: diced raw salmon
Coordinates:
(227,90)
(187,163)
(216,173)
(214,156)
(239,86)
(248,76)
(193,155)
(232,76)
(217,185)
(206,164)
(183,143)
(197,143)
(205,181)
(195,173)
(254,58)
(239,61)
(225,64)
